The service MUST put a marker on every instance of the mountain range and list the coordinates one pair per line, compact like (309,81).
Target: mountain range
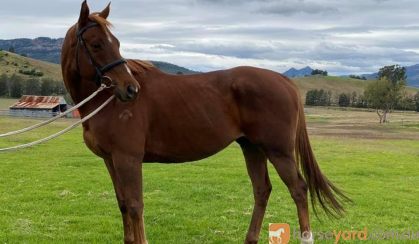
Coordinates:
(41,48)
(49,50)
(293,72)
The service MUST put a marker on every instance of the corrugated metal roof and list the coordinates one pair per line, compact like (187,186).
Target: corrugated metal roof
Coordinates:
(38,102)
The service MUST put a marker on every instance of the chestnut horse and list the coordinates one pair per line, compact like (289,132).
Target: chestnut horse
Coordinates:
(179,118)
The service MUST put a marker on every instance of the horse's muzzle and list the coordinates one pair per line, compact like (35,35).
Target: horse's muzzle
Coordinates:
(127,94)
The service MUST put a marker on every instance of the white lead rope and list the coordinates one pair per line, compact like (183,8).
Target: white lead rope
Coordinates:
(101,88)
(60,132)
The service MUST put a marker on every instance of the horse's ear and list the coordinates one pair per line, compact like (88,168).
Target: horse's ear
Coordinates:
(105,13)
(84,14)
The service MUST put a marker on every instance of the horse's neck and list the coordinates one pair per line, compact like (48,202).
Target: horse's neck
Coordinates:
(80,89)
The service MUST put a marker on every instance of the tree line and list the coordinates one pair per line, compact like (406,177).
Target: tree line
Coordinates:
(384,95)
(320,97)
(15,86)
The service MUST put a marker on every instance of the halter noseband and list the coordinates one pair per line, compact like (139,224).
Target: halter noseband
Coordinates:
(100,70)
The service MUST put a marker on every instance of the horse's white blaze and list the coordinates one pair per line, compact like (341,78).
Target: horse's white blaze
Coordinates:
(128,69)
(109,37)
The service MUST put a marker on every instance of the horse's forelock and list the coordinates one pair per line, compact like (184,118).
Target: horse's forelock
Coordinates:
(104,23)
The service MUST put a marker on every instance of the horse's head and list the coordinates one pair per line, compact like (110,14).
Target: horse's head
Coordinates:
(97,56)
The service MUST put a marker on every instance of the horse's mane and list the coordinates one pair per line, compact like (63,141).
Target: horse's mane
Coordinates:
(139,65)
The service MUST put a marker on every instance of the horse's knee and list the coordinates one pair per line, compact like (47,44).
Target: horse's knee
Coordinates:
(299,193)
(135,210)
(262,195)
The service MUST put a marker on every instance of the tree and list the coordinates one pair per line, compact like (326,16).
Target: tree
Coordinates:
(47,87)
(318,97)
(310,97)
(319,72)
(383,95)
(16,86)
(361,102)
(357,77)
(32,87)
(59,88)
(344,100)
(394,73)
(417,102)
(4,89)
(406,103)
(12,49)
(329,98)
(353,98)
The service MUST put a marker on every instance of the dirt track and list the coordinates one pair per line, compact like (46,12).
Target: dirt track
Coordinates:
(361,124)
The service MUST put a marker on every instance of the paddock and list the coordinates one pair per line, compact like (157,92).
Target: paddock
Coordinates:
(73,201)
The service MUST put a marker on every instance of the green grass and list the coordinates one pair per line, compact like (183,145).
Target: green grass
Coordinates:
(335,84)
(11,63)
(5,103)
(60,192)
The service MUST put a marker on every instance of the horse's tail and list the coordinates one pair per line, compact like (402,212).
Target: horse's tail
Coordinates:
(321,189)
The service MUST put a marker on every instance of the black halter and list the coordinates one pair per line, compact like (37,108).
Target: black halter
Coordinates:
(100,70)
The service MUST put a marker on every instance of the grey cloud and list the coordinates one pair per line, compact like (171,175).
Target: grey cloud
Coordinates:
(290,8)
(341,36)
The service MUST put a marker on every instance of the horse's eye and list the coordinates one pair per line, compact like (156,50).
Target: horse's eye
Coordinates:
(96,46)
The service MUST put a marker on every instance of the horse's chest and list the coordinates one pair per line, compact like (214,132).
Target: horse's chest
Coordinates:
(92,142)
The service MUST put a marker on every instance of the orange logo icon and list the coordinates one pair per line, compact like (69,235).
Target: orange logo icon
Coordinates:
(279,233)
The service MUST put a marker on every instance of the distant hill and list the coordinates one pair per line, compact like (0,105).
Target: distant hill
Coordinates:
(172,68)
(291,73)
(42,48)
(11,63)
(412,73)
(48,49)
(336,84)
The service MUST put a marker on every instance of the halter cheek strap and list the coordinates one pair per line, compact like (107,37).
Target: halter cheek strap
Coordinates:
(100,70)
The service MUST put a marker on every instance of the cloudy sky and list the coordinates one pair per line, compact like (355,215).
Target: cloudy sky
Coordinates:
(343,37)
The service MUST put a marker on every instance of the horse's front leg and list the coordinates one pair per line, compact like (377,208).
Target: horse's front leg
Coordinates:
(128,185)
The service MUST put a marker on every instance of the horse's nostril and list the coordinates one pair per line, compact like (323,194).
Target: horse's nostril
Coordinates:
(132,90)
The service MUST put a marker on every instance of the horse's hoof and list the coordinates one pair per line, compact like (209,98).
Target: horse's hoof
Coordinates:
(307,238)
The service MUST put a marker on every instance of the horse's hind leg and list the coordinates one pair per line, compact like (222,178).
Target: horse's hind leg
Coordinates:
(287,169)
(257,170)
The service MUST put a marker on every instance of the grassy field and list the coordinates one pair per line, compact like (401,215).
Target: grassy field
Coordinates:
(336,84)
(59,192)
(5,103)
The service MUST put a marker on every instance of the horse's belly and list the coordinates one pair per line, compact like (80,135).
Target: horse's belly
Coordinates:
(191,146)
